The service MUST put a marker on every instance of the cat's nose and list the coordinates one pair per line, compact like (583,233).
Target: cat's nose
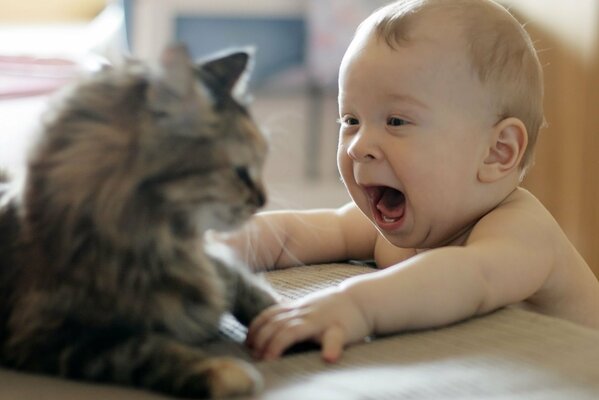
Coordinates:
(259,195)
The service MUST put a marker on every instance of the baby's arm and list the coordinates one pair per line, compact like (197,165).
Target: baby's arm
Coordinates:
(446,285)
(506,260)
(280,239)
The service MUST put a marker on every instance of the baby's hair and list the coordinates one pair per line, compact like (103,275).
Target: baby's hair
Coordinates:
(501,54)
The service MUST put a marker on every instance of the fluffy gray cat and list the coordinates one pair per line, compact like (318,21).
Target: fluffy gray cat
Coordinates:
(103,272)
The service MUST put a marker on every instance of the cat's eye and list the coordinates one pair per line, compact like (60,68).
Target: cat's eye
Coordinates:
(159,114)
(244,175)
(257,196)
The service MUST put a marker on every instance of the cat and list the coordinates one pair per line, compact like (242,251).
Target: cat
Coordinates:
(103,272)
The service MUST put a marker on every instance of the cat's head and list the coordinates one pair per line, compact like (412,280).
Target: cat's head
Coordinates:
(134,147)
(212,151)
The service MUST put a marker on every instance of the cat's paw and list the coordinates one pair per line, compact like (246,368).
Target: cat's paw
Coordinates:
(226,377)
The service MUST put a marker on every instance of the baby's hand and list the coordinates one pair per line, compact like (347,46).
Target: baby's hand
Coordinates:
(329,317)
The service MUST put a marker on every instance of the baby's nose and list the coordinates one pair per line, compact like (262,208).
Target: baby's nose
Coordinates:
(363,148)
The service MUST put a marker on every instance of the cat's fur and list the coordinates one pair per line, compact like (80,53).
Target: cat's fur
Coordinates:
(103,273)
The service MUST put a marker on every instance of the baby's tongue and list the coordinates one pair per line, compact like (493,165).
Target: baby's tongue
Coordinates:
(391,203)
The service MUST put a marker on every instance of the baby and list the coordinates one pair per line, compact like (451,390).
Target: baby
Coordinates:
(440,104)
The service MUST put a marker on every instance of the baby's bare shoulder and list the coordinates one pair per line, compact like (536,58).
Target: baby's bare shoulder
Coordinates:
(571,290)
(520,216)
(523,228)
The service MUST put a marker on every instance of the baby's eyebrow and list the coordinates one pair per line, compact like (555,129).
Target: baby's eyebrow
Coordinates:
(405,98)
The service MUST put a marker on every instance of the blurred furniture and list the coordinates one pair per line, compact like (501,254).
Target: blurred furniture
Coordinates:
(276,29)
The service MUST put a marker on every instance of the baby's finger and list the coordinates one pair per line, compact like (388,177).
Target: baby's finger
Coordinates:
(258,323)
(333,340)
(264,333)
(291,332)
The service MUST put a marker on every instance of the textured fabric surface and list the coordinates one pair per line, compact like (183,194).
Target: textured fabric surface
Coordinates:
(509,354)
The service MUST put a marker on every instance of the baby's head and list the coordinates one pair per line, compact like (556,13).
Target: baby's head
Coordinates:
(499,50)
(440,104)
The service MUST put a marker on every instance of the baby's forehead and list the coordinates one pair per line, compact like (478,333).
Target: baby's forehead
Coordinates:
(432,65)
(431,42)
(440,26)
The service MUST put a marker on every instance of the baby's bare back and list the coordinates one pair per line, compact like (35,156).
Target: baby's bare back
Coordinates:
(571,290)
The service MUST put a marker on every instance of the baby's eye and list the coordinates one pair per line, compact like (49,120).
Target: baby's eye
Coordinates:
(396,121)
(349,121)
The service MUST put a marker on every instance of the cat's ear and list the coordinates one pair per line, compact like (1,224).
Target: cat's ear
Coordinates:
(228,72)
(177,69)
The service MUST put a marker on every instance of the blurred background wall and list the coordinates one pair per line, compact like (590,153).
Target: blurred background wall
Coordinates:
(46,11)
(299,44)
(566,174)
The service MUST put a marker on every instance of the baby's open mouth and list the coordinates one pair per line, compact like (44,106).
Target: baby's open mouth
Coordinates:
(388,204)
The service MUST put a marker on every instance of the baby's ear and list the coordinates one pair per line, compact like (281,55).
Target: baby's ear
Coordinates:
(506,149)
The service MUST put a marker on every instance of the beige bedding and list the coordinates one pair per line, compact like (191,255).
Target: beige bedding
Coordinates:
(510,354)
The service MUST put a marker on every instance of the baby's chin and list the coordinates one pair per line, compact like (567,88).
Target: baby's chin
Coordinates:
(408,238)
(399,240)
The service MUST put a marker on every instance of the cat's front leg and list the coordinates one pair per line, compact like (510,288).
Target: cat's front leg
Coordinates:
(248,295)
(252,297)
(159,363)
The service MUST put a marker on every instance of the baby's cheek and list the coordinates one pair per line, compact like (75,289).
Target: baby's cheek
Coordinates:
(346,171)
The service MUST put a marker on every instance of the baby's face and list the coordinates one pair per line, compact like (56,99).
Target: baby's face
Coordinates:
(415,126)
